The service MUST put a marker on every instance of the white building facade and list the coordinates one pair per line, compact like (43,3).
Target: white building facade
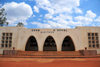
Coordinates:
(20,38)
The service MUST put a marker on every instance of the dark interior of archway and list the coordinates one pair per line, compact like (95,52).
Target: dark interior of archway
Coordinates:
(68,44)
(49,44)
(31,44)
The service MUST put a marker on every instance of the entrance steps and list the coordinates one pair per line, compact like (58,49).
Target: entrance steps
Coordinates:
(49,53)
(42,53)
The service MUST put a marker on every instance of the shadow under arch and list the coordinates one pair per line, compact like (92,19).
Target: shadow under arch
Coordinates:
(49,44)
(31,44)
(68,44)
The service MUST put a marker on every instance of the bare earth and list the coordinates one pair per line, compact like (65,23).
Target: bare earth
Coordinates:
(37,62)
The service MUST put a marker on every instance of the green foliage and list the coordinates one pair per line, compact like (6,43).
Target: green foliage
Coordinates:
(20,24)
(3,19)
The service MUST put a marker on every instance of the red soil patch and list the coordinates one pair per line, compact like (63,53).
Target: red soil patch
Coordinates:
(66,62)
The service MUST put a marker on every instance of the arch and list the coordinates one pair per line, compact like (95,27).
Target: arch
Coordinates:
(31,44)
(49,44)
(68,44)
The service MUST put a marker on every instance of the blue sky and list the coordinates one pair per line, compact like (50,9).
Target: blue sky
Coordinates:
(52,13)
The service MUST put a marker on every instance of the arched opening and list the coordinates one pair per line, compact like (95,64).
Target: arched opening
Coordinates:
(68,44)
(49,44)
(31,44)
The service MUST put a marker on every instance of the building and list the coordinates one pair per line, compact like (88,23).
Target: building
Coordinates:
(21,38)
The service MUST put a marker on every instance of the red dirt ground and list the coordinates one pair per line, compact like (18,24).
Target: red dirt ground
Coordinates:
(41,62)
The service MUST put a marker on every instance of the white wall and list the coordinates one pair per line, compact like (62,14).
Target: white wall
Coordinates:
(78,35)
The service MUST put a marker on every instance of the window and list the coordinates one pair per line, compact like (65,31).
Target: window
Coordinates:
(35,30)
(89,45)
(2,41)
(97,42)
(10,38)
(89,37)
(88,34)
(2,45)
(92,34)
(10,34)
(10,41)
(61,30)
(89,41)
(6,34)
(94,45)
(6,40)
(9,45)
(3,34)
(96,34)
(97,45)
(96,38)
(6,45)
(93,40)
(3,38)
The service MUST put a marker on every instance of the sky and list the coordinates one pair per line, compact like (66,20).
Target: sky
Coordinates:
(52,13)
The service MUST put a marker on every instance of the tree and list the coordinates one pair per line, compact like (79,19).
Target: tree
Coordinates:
(20,24)
(3,19)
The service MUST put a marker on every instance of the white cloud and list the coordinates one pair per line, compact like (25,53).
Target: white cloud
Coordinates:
(54,25)
(89,17)
(90,14)
(83,19)
(41,25)
(86,20)
(17,12)
(36,9)
(60,13)
(48,16)
(50,24)
(58,6)
(63,17)
(97,19)
(77,10)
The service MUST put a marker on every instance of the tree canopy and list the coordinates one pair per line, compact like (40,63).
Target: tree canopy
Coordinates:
(3,19)
(20,24)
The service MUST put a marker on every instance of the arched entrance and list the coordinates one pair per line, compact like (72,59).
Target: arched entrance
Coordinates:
(49,44)
(31,44)
(68,44)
